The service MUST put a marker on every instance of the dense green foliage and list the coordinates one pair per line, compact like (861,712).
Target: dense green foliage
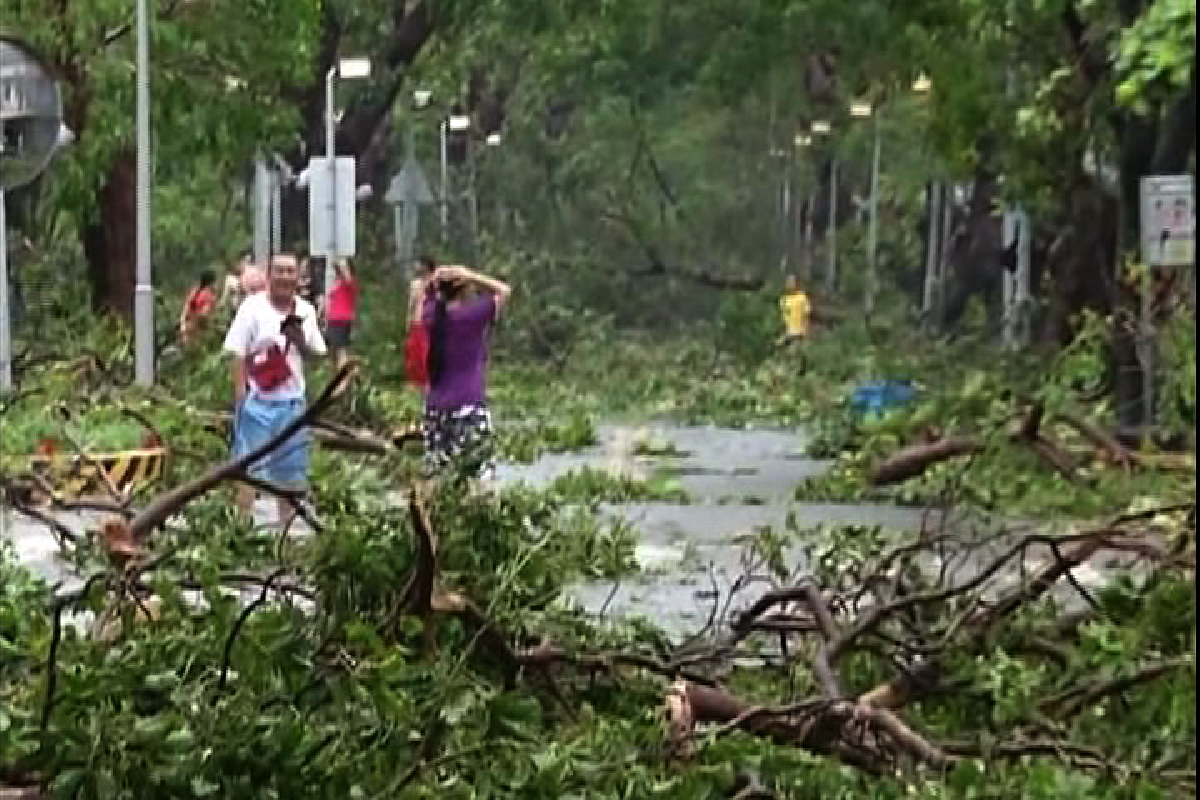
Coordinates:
(645,203)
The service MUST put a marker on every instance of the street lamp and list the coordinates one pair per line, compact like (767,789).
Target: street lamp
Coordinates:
(457,123)
(493,139)
(922,85)
(862,110)
(820,127)
(350,68)
(421,98)
(143,291)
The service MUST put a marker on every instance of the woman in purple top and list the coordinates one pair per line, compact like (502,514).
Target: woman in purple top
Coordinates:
(458,424)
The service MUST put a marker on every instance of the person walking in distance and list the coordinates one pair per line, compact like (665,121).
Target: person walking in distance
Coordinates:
(796,309)
(343,305)
(244,278)
(198,307)
(459,309)
(272,336)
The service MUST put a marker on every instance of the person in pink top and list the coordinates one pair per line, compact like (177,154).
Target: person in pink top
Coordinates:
(343,305)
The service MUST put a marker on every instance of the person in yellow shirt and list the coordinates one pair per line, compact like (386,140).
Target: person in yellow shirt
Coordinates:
(797,310)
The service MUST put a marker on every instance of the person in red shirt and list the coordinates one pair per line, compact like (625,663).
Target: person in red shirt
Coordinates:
(198,307)
(339,318)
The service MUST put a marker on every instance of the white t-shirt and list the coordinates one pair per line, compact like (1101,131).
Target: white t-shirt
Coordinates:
(255,329)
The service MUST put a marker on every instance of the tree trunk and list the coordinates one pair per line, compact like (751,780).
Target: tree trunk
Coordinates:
(109,242)
(974,267)
(1079,277)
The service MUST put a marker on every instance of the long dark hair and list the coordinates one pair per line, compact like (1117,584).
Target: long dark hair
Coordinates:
(436,360)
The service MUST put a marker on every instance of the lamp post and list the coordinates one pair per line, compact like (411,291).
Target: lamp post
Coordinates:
(457,123)
(862,110)
(143,292)
(822,127)
(805,141)
(344,68)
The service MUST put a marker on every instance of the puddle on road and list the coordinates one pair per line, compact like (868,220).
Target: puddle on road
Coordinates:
(738,481)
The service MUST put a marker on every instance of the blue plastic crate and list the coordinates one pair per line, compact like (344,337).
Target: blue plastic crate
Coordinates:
(875,399)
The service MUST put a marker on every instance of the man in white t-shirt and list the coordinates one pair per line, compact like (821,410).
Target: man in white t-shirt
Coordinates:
(272,335)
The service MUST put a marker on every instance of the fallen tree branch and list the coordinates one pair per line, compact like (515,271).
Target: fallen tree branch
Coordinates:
(911,461)
(1073,701)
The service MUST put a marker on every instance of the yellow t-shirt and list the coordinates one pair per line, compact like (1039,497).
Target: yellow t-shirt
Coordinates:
(796,310)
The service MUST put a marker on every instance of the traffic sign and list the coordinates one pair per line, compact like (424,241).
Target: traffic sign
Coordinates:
(331,202)
(409,185)
(1168,220)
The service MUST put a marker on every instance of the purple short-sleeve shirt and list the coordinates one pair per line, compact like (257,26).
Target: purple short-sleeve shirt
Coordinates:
(464,371)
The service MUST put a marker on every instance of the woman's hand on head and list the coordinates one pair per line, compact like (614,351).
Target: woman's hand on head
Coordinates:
(450,273)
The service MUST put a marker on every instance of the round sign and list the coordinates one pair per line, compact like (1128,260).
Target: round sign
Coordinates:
(30,114)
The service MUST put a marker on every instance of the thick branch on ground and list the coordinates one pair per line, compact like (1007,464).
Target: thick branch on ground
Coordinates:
(417,597)
(424,598)
(871,739)
(914,460)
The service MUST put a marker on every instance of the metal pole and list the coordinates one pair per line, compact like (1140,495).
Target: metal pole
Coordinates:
(6,376)
(831,229)
(1023,288)
(1148,347)
(785,216)
(934,209)
(262,212)
(949,204)
(143,293)
(330,156)
(810,209)
(276,208)
(873,220)
(1008,284)
(473,201)
(445,178)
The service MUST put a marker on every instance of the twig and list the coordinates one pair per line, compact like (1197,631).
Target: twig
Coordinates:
(51,666)
(1073,701)
(227,654)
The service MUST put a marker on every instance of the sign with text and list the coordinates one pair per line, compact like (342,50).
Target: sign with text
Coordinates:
(1168,217)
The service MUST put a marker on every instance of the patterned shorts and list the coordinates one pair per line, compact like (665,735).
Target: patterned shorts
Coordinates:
(460,436)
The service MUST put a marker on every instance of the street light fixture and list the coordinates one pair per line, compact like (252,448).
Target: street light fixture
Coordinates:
(922,85)
(493,139)
(459,122)
(860,110)
(355,67)
(351,67)
(821,127)
(802,140)
(421,98)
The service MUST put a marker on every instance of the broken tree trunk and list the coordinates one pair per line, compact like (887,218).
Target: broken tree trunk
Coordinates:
(914,460)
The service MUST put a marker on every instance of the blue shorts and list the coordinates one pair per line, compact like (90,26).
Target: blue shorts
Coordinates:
(256,423)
